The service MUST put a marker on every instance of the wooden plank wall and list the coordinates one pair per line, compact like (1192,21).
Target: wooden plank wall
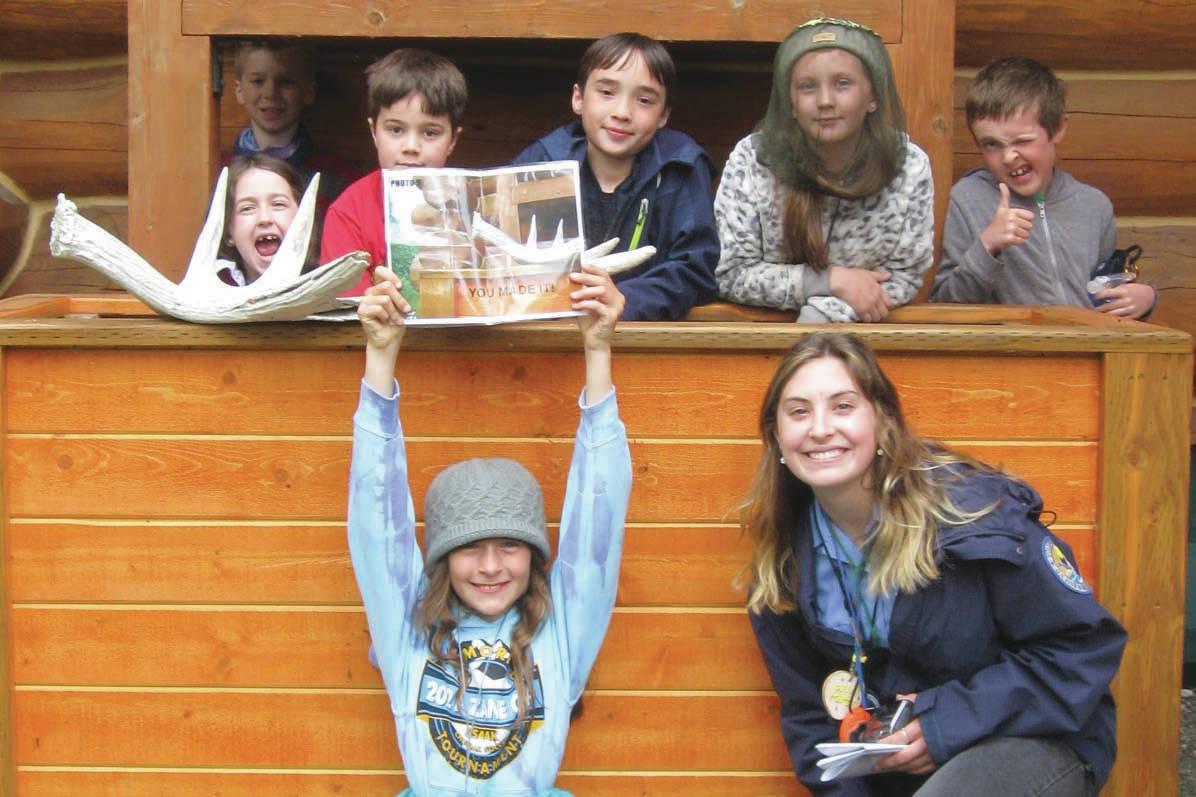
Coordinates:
(213,637)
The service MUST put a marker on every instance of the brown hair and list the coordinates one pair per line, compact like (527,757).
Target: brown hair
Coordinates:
(1012,84)
(617,48)
(435,613)
(410,71)
(260,160)
(912,504)
(304,54)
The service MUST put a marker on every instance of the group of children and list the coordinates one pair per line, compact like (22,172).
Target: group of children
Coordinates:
(826,208)
(885,568)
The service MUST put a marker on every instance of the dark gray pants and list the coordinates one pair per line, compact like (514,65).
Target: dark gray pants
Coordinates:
(1012,767)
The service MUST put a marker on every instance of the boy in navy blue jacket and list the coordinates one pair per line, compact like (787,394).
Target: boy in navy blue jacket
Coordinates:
(641,182)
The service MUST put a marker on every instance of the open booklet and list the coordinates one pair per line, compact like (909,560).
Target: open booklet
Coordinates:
(484,246)
(850,759)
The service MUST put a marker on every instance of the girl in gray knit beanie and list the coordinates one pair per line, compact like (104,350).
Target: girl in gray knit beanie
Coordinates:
(827,207)
(484,649)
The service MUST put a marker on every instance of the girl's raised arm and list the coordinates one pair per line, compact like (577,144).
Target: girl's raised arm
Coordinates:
(603,302)
(382,311)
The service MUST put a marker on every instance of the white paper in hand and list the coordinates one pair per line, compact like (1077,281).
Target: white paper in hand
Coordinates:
(851,759)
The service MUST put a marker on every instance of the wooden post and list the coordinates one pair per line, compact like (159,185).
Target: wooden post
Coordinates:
(1144,483)
(7,762)
(173,126)
(928,50)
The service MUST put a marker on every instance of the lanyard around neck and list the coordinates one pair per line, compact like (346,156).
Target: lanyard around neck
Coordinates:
(853,597)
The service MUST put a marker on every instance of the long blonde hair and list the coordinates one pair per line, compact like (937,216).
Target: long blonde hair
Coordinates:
(906,478)
(436,613)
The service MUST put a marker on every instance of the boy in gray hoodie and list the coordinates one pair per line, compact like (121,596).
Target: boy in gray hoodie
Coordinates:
(1020,230)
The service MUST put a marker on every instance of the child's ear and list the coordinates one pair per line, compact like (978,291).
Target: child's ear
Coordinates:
(309,93)
(453,141)
(577,99)
(1062,131)
(237,90)
(664,118)
(369,120)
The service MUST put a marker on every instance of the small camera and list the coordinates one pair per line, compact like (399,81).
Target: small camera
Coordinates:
(885,721)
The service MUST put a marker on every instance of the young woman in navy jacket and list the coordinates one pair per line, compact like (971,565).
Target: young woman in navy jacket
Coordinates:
(886,567)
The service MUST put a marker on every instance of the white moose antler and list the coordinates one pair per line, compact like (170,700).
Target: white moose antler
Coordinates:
(282,293)
(620,261)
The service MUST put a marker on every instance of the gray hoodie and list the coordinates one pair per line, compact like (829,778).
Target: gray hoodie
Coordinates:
(1073,230)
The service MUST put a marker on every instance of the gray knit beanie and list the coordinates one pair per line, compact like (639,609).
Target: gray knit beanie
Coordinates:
(482,498)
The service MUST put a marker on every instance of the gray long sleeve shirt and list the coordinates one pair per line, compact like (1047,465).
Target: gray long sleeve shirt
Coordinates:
(1074,229)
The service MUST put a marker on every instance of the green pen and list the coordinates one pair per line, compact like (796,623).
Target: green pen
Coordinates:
(639,224)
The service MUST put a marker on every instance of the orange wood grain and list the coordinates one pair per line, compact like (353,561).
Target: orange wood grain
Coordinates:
(1102,34)
(1169,264)
(55,29)
(735,731)
(314,647)
(7,767)
(65,129)
(706,394)
(304,479)
(1082,541)
(1145,496)
(172,143)
(241,564)
(986,330)
(120,782)
(15,215)
(42,272)
(673,20)
(56,783)
(250,564)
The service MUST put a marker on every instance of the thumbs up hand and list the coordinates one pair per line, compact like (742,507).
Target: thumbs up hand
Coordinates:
(1009,227)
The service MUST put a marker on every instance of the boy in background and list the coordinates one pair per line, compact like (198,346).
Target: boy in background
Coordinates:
(276,82)
(416,100)
(1020,230)
(640,181)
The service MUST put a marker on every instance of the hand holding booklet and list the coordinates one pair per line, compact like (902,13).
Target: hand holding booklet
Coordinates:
(850,759)
(484,246)
(863,751)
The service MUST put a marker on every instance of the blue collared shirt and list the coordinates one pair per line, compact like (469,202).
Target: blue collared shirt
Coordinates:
(835,551)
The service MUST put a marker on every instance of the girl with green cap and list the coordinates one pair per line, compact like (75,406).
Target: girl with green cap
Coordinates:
(827,207)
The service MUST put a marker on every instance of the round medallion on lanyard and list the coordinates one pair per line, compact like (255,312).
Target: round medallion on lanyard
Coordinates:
(840,694)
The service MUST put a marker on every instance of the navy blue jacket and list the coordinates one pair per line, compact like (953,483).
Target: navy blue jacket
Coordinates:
(674,175)
(999,645)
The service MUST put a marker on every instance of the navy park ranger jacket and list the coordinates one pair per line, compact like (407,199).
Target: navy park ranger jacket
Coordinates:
(1009,641)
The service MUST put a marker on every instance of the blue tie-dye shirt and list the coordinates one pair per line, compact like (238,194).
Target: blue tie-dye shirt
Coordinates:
(476,748)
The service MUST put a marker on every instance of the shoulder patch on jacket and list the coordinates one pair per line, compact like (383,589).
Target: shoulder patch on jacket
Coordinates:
(1063,569)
